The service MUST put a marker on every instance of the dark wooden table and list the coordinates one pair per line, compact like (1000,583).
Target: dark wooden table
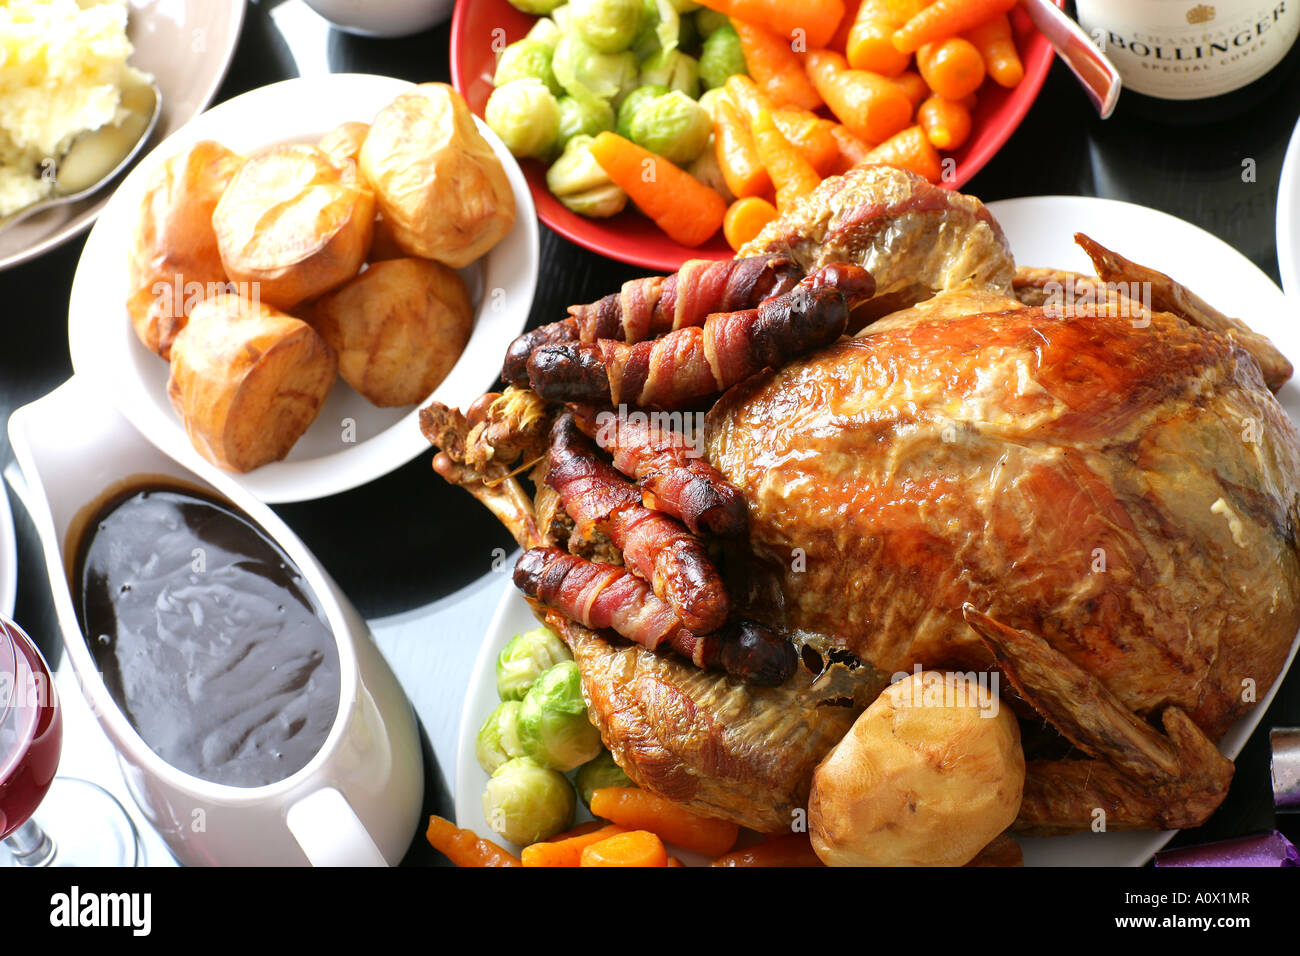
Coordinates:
(400,542)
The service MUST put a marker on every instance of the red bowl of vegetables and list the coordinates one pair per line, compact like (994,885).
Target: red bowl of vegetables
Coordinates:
(481,28)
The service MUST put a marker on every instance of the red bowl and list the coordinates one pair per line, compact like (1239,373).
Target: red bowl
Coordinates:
(479,28)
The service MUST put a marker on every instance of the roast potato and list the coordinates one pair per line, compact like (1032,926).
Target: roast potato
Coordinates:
(295,222)
(343,142)
(437,182)
(928,775)
(247,380)
(398,328)
(174,260)
(383,245)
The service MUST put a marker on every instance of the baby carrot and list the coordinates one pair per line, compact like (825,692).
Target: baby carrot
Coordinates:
(742,167)
(953,68)
(811,135)
(852,150)
(792,175)
(806,131)
(870,45)
(945,18)
(745,219)
(903,10)
(682,206)
(464,847)
(840,39)
(635,848)
(567,851)
(994,41)
(872,107)
(911,83)
(776,67)
(641,809)
(793,849)
(811,21)
(909,150)
(946,124)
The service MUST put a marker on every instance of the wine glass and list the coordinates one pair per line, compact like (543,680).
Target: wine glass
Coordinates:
(44,820)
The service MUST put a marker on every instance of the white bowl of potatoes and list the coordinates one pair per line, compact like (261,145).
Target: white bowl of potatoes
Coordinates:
(278,253)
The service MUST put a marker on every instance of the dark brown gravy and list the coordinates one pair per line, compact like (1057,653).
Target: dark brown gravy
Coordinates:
(207,635)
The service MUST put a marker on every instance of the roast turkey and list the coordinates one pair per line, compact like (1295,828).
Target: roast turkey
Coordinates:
(1100,500)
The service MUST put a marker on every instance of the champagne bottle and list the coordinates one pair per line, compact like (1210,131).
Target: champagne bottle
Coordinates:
(1193,61)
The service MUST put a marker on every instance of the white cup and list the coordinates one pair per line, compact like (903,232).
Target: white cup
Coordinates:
(383,18)
(356,802)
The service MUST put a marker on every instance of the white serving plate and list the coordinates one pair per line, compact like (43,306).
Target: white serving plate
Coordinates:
(351,442)
(1288,217)
(1040,230)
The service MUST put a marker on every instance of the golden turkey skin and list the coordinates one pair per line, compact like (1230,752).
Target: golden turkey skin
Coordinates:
(1129,491)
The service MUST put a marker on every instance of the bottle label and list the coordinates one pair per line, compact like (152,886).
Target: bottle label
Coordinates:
(1188,50)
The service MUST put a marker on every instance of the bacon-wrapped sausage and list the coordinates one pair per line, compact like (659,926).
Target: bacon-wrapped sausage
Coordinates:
(654,545)
(674,476)
(645,308)
(607,596)
(685,367)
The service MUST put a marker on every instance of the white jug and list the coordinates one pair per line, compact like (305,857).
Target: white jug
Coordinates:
(357,802)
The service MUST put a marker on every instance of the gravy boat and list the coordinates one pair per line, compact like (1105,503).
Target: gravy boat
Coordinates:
(357,801)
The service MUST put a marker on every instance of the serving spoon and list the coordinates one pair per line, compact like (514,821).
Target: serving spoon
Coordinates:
(97,156)
(1098,75)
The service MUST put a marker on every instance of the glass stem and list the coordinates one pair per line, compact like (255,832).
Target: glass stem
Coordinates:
(30,845)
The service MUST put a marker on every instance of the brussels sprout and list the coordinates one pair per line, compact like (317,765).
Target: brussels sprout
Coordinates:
(498,738)
(588,74)
(554,728)
(674,69)
(721,57)
(579,182)
(597,773)
(709,100)
(526,116)
(524,802)
(688,37)
(707,170)
(706,21)
(524,59)
(635,100)
(544,31)
(684,6)
(583,118)
(563,17)
(536,7)
(609,26)
(528,656)
(674,126)
(660,29)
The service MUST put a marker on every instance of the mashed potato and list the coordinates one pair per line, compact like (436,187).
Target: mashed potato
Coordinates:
(62,66)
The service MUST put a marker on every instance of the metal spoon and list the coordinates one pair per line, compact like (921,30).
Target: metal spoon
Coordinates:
(97,156)
(1097,74)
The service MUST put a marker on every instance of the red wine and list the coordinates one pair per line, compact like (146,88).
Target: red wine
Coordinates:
(31,728)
